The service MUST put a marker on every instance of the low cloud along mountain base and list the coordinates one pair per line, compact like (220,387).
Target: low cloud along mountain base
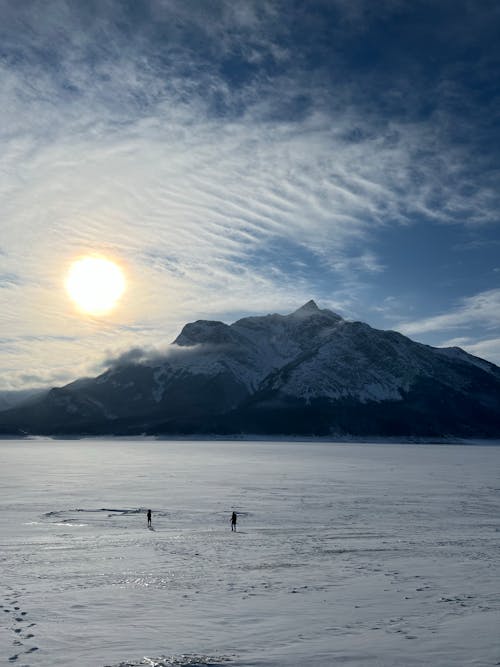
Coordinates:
(307,373)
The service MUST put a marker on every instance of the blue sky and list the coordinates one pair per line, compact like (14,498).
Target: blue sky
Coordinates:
(243,157)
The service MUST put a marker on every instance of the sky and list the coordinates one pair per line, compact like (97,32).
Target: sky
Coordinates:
(242,157)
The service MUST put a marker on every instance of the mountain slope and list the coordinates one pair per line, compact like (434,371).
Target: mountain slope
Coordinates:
(309,372)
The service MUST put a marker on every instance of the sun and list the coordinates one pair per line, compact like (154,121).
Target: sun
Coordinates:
(95,284)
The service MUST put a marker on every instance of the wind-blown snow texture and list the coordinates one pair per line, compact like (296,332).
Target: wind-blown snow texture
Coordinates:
(309,373)
(346,554)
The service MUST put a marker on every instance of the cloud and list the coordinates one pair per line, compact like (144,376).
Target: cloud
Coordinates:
(8,280)
(481,309)
(135,355)
(154,356)
(486,349)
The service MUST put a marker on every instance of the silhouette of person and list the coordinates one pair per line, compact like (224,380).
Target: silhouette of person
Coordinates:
(149,518)
(233,521)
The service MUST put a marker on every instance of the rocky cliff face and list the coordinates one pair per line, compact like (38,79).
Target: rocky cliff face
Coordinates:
(310,372)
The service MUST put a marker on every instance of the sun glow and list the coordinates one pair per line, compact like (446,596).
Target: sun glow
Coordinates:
(95,284)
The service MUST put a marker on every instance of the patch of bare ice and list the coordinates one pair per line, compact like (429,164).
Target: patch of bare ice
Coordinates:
(178,661)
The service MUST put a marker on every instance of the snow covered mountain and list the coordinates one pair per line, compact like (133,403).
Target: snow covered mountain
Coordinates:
(309,372)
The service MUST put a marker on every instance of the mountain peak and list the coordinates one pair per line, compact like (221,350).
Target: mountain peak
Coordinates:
(307,309)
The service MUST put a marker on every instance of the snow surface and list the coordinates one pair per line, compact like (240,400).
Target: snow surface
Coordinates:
(346,554)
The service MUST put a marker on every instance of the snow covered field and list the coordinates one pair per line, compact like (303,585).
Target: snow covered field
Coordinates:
(348,554)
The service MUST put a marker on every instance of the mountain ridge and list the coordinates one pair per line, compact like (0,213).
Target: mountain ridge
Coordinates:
(309,372)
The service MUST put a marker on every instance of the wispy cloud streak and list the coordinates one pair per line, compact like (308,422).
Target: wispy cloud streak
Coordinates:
(483,308)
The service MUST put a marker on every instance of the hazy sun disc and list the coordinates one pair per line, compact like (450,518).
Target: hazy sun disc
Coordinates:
(95,284)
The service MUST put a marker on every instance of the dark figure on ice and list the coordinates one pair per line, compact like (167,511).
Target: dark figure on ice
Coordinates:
(233,521)
(149,518)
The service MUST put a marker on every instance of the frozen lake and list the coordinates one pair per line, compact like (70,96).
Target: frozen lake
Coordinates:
(348,554)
